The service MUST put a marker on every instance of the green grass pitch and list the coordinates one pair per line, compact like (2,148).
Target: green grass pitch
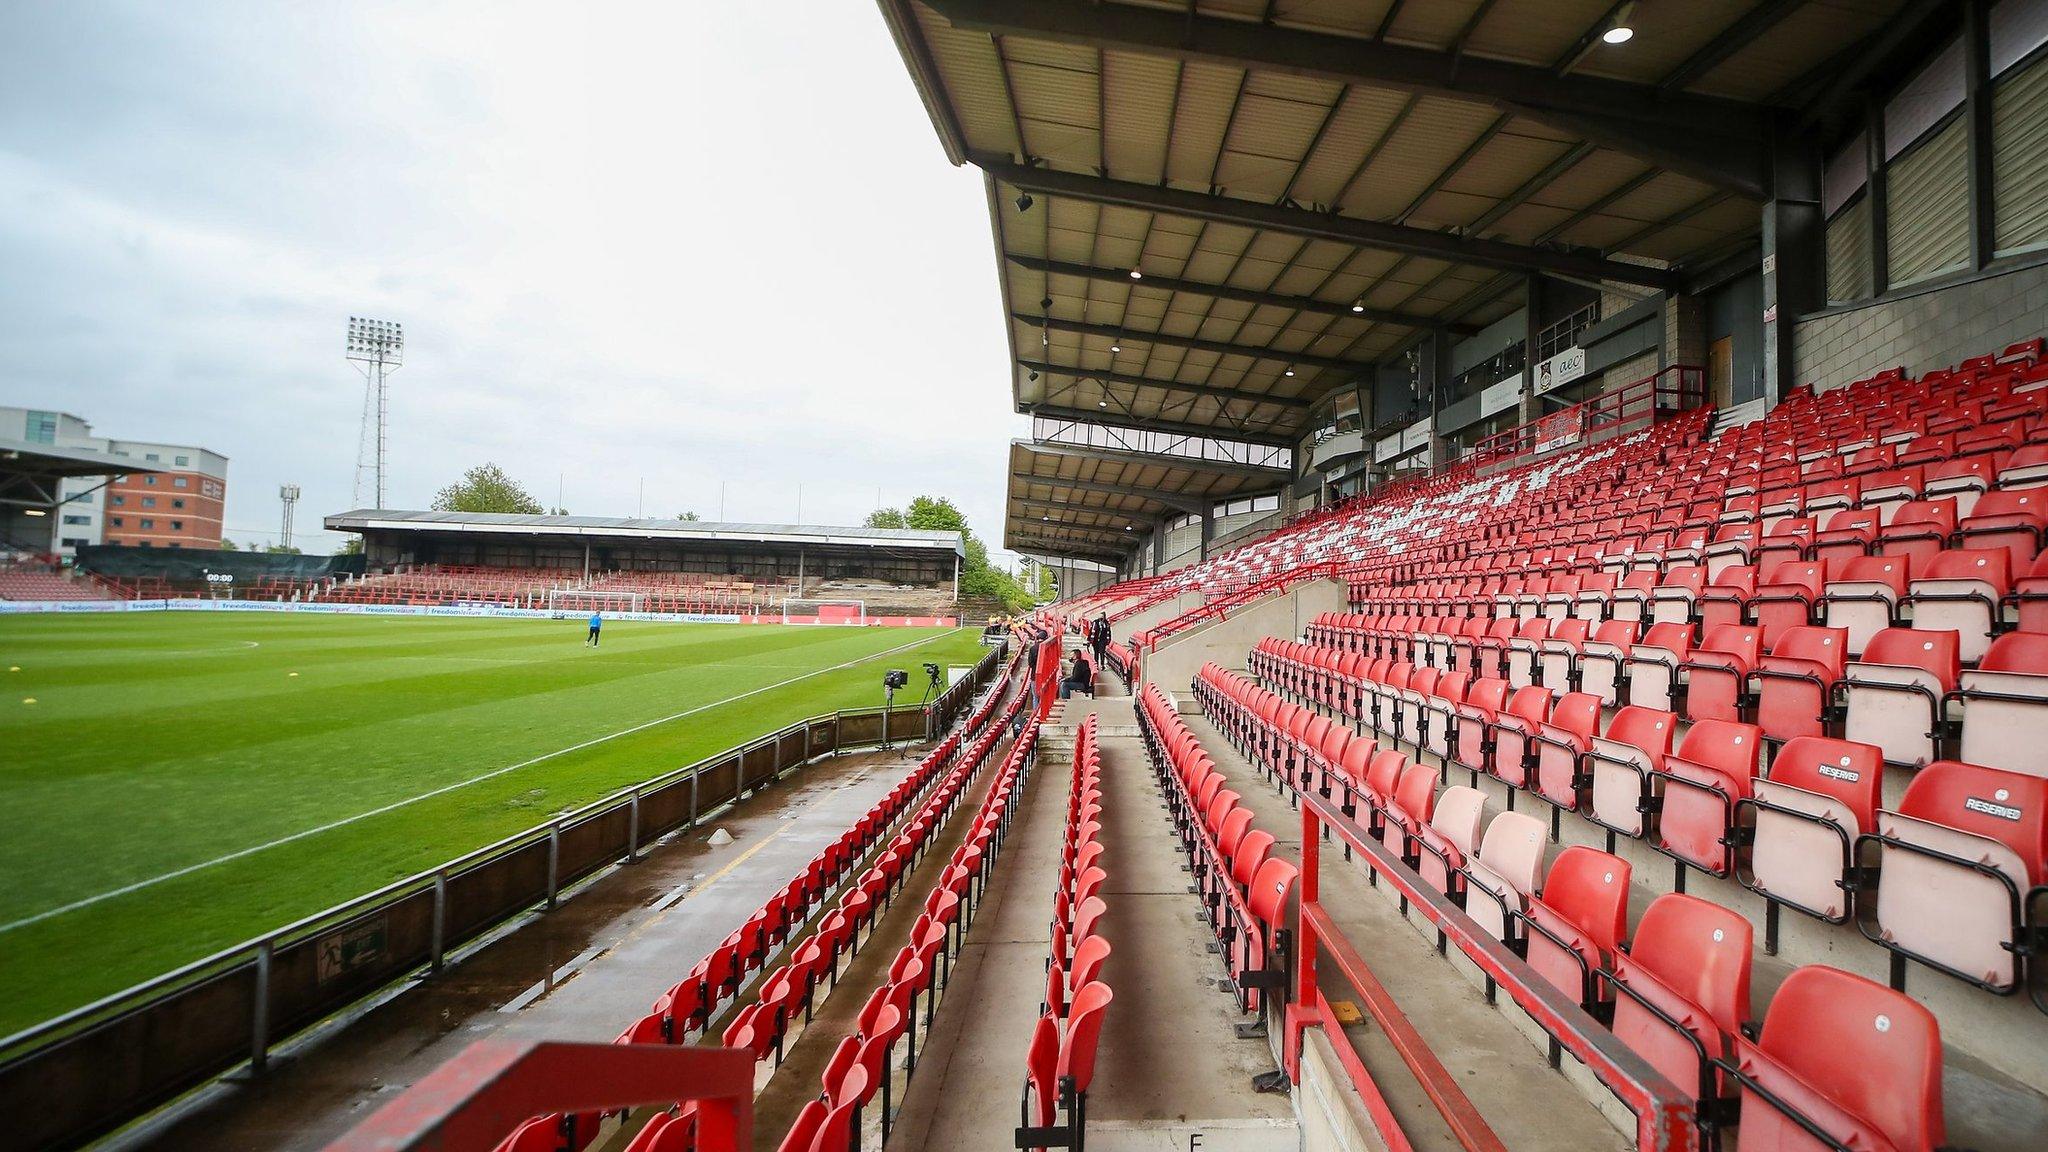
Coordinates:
(160,743)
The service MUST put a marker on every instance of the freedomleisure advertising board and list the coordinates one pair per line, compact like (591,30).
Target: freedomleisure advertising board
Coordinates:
(26,607)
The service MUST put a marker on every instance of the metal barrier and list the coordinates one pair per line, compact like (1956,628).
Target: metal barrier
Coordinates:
(1671,391)
(1664,1113)
(469,1103)
(94,1068)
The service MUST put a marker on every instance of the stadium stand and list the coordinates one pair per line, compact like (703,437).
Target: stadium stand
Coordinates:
(30,580)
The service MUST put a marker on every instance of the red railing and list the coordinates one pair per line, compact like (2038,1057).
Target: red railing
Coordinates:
(1237,598)
(1669,391)
(1664,1113)
(493,1086)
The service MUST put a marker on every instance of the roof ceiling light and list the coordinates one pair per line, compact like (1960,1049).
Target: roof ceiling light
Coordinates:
(1102,403)
(1116,346)
(1358,305)
(1137,275)
(1289,372)
(1619,32)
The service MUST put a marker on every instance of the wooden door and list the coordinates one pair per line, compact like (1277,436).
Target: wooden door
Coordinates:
(1721,372)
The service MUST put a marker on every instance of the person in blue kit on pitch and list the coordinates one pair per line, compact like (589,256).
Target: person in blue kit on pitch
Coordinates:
(596,623)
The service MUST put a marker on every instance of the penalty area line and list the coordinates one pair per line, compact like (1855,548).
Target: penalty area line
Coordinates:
(395,805)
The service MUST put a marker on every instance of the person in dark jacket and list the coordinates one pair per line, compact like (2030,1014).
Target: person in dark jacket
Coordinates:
(1098,638)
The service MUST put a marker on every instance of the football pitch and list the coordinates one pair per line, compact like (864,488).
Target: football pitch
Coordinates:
(176,783)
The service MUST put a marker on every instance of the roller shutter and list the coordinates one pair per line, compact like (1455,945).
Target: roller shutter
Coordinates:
(1848,243)
(1927,207)
(2019,158)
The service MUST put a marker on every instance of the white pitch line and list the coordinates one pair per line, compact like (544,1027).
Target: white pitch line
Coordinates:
(139,885)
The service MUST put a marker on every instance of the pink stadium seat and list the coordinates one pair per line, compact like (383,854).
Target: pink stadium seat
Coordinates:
(2005,699)
(1958,856)
(1682,989)
(1896,692)
(1819,796)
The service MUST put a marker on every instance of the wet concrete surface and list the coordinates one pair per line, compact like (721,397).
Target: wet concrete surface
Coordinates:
(582,972)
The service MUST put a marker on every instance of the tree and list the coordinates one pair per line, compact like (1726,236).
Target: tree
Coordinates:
(884,518)
(282,550)
(353,546)
(486,488)
(978,577)
(227,545)
(688,516)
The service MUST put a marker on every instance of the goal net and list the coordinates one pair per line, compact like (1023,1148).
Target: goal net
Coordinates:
(796,610)
(575,601)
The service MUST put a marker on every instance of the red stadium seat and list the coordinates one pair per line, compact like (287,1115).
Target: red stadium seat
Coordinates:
(1852,1059)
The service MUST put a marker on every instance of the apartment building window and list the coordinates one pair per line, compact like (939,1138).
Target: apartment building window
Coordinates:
(78,498)
(120,500)
(147,524)
(116,521)
(143,543)
(149,480)
(175,544)
(152,457)
(78,519)
(42,428)
(75,542)
(177,525)
(177,503)
(149,501)
(181,482)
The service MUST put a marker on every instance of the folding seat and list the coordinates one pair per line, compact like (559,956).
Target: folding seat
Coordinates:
(1876,461)
(1561,742)
(1789,540)
(1919,528)
(1557,655)
(1838,494)
(1472,742)
(1523,651)
(1529,602)
(1739,509)
(1778,503)
(1410,806)
(1717,675)
(2014,521)
(1672,601)
(1726,597)
(1964,480)
(1450,836)
(1703,780)
(1733,544)
(1682,989)
(1514,734)
(1630,599)
(1927,450)
(1574,927)
(1795,684)
(2005,705)
(2026,468)
(1961,590)
(1655,662)
(1500,878)
(1440,713)
(1621,767)
(1489,653)
(1843,1056)
(1818,797)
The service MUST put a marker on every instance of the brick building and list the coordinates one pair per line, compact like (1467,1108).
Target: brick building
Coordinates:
(180,505)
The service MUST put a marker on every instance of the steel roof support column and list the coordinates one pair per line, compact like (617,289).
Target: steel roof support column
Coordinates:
(1791,257)
(1532,326)
(1977,108)
(1436,375)
(1208,531)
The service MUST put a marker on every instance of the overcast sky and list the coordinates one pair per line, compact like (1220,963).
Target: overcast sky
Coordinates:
(694,243)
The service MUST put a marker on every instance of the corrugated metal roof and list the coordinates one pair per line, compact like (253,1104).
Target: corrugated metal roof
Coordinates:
(386,519)
(1305,141)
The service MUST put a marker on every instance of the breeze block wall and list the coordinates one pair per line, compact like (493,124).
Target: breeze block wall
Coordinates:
(1931,329)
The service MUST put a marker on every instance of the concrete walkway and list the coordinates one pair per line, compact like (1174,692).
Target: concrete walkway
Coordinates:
(1170,1065)
(1530,1106)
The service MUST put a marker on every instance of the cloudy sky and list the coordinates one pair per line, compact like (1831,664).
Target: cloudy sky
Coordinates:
(695,246)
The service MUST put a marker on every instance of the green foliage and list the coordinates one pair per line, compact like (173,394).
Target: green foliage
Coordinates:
(486,488)
(282,550)
(227,545)
(352,547)
(978,578)
(688,516)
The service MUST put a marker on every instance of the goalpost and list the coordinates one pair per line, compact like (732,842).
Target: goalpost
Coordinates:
(576,601)
(797,610)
